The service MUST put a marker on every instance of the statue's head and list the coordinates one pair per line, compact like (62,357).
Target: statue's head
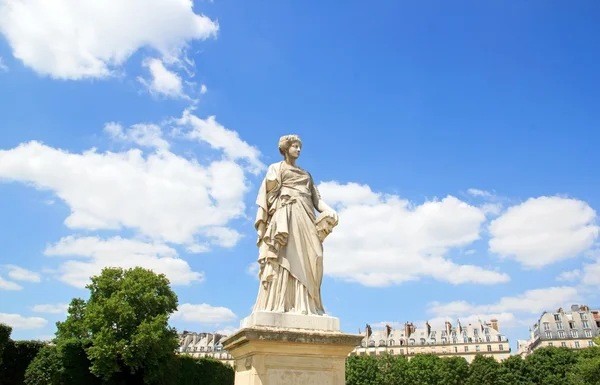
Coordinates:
(290,145)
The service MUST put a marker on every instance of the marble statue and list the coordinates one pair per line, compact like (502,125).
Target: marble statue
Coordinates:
(290,236)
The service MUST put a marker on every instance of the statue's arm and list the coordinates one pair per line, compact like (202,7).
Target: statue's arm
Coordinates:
(271,177)
(319,204)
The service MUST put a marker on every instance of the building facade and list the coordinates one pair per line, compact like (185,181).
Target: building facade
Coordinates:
(204,345)
(573,329)
(449,341)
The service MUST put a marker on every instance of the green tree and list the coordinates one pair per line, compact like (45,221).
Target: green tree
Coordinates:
(45,369)
(361,370)
(424,369)
(123,327)
(74,326)
(392,370)
(484,371)
(5,332)
(587,369)
(549,365)
(512,371)
(453,371)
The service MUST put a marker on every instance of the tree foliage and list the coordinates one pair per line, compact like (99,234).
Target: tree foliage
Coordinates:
(545,366)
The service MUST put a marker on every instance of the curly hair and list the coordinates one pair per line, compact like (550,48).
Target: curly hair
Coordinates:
(285,142)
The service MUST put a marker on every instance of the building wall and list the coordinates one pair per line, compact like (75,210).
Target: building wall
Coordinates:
(574,328)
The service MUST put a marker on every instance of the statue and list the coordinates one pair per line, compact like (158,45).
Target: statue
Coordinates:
(290,236)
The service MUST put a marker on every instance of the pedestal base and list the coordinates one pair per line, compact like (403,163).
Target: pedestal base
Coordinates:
(275,356)
(291,321)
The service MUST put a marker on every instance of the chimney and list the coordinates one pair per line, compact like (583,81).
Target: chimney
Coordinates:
(574,307)
(494,324)
(448,327)
(427,328)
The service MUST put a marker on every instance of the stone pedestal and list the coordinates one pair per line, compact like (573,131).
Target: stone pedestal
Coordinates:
(266,355)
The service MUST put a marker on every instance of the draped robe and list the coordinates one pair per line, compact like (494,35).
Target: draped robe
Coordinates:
(290,251)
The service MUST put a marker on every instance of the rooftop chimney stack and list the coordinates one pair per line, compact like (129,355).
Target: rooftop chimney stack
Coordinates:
(494,324)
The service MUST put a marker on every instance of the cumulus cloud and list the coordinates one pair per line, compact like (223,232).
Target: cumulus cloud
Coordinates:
(479,193)
(532,301)
(70,39)
(145,135)
(203,89)
(162,81)
(56,308)
(20,274)
(217,136)
(18,322)
(383,239)
(569,275)
(9,285)
(203,313)
(544,230)
(94,254)
(161,195)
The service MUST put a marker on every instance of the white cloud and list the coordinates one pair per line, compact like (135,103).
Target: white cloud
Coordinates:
(491,208)
(383,239)
(252,269)
(18,322)
(145,135)
(20,274)
(3,67)
(227,331)
(479,193)
(218,137)
(197,248)
(544,230)
(70,39)
(9,285)
(203,313)
(203,89)
(223,236)
(118,252)
(161,195)
(162,81)
(57,308)
(532,302)
(591,273)
(570,275)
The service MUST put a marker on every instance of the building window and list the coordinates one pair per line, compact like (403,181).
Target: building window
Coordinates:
(422,341)
(371,343)
(433,341)
(559,325)
(391,342)
(489,348)
(586,324)
(444,340)
(574,334)
(487,331)
(466,340)
(499,338)
(546,325)
(466,348)
(590,343)
(381,342)
(487,338)
(477,348)
(571,325)
(548,335)
(583,315)
(454,340)
(550,344)
(456,349)
(501,347)
(577,344)
(563,344)
(561,333)
(588,333)
(391,351)
(411,341)
(401,351)
(556,317)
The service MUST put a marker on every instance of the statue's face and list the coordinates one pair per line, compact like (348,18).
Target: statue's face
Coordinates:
(294,150)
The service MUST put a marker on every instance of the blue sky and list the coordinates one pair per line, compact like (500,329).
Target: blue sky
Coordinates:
(457,140)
